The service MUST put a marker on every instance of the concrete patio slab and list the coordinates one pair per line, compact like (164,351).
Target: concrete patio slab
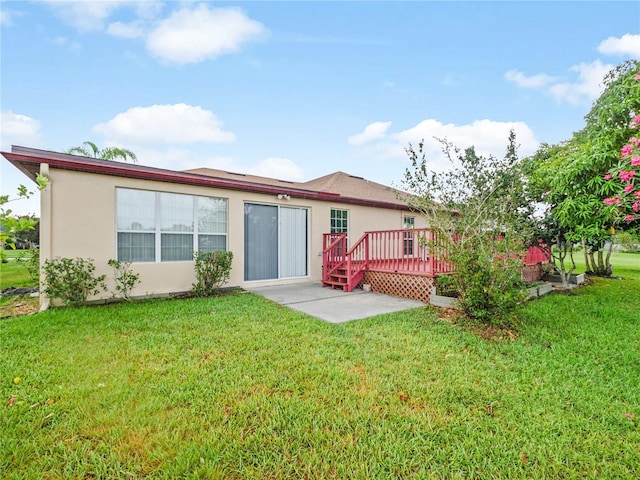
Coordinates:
(334,306)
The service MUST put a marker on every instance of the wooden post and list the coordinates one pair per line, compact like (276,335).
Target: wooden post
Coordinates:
(432,253)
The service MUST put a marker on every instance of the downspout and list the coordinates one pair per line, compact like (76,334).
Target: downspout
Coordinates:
(45,232)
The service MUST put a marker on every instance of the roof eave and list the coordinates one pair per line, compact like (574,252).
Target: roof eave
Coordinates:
(28,161)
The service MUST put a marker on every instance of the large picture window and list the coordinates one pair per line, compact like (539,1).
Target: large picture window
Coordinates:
(168,227)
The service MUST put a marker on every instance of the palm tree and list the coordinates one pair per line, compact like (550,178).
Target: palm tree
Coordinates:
(90,149)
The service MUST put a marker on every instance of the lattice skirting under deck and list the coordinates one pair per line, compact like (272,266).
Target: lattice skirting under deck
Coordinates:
(414,287)
(532,273)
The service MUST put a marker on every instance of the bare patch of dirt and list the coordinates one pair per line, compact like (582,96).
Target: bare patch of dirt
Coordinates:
(19,305)
(492,333)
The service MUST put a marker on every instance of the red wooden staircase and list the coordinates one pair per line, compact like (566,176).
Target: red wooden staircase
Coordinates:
(394,251)
(341,268)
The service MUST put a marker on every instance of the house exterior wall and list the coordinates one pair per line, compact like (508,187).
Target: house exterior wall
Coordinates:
(79,211)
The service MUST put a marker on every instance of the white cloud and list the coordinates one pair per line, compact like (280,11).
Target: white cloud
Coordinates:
(581,91)
(169,124)
(280,168)
(7,16)
(489,137)
(194,34)
(534,81)
(586,88)
(75,47)
(628,45)
(17,129)
(186,159)
(272,167)
(191,33)
(163,156)
(125,30)
(148,9)
(371,132)
(86,15)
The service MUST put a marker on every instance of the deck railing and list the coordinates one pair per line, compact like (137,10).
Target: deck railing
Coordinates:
(413,251)
(417,251)
(334,249)
(537,254)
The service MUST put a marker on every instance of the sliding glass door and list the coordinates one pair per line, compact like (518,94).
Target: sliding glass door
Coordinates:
(276,242)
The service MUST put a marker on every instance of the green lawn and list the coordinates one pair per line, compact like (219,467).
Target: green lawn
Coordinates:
(11,253)
(14,273)
(239,387)
(620,261)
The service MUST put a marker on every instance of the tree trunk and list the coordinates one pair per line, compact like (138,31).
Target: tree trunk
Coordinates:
(587,265)
(562,253)
(609,266)
(602,267)
(593,267)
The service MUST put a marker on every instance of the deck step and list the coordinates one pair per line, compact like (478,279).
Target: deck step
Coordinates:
(339,275)
(334,284)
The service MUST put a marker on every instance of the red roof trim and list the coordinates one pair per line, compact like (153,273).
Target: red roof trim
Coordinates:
(29,160)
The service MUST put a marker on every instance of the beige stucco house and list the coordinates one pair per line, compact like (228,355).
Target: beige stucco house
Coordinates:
(157,218)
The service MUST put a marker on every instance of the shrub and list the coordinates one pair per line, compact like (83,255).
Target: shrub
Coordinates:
(33,264)
(125,279)
(212,271)
(71,280)
(480,216)
(488,286)
(445,286)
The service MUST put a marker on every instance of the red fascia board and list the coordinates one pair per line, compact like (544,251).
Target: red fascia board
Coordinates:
(101,167)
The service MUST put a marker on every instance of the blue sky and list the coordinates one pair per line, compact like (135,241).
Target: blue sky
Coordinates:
(296,90)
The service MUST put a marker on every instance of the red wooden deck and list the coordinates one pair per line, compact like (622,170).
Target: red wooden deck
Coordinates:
(415,252)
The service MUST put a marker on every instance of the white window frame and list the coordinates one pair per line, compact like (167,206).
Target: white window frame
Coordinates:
(158,231)
(408,222)
(346,220)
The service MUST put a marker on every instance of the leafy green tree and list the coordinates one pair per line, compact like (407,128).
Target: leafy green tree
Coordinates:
(625,176)
(90,149)
(570,176)
(30,236)
(10,224)
(478,211)
(558,239)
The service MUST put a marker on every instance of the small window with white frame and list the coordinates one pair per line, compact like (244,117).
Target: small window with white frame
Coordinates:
(408,223)
(340,224)
(339,221)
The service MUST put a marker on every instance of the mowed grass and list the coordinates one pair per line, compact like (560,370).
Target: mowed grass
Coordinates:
(14,273)
(239,387)
(621,262)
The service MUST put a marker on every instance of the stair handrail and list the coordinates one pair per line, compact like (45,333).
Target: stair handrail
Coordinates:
(353,273)
(328,265)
